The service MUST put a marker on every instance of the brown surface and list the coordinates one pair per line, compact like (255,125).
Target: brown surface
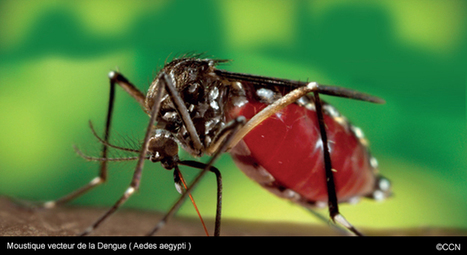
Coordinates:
(16,220)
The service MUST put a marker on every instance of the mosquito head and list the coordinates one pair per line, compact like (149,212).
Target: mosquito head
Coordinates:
(163,148)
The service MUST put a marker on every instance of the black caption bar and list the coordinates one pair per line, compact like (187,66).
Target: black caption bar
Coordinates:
(240,244)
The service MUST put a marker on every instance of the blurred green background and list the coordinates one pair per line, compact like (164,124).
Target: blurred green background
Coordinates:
(55,56)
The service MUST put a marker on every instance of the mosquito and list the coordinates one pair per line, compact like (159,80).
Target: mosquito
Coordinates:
(278,132)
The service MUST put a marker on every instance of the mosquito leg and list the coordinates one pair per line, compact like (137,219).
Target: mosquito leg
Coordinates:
(183,112)
(134,92)
(199,165)
(103,166)
(135,181)
(331,187)
(325,219)
(115,78)
(239,122)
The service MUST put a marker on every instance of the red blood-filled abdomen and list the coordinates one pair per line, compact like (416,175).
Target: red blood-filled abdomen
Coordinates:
(288,146)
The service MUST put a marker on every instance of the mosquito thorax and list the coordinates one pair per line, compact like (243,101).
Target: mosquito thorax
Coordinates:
(204,95)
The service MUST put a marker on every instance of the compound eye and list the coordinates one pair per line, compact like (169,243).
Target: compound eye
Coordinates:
(171,148)
(162,146)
